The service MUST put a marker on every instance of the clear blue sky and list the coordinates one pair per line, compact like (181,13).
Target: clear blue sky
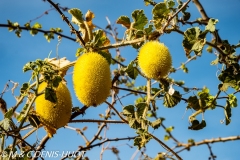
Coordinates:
(15,52)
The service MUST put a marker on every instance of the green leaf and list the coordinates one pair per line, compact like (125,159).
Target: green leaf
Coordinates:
(232,99)
(24,87)
(194,40)
(22,114)
(9,113)
(34,120)
(193,103)
(100,38)
(10,28)
(128,110)
(147,2)
(79,52)
(172,100)
(106,55)
(228,113)
(215,62)
(77,16)
(37,26)
(6,123)
(34,28)
(184,68)
(131,70)
(56,81)
(211,25)
(140,109)
(50,95)
(160,14)
(209,49)
(29,66)
(197,126)
(139,19)
(27,25)
(125,21)
(156,124)
(169,129)
(186,16)
(149,29)
(170,3)
(133,123)
(140,99)
(224,86)
(166,137)
(198,45)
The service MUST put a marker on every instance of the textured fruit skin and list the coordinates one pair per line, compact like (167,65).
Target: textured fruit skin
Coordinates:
(155,60)
(54,115)
(92,79)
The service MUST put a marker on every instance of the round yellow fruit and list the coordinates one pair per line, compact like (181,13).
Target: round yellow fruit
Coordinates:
(54,115)
(155,60)
(92,79)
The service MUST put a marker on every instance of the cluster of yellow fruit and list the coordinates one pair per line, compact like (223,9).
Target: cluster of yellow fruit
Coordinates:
(92,83)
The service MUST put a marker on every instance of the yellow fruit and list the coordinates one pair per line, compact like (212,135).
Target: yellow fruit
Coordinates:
(155,60)
(54,115)
(92,79)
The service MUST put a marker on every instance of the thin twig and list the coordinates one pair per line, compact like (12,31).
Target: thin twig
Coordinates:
(211,152)
(166,147)
(40,147)
(40,30)
(111,106)
(96,121)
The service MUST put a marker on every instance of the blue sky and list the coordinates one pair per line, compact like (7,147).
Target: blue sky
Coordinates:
(15,52)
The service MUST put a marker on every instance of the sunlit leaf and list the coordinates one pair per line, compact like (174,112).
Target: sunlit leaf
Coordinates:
(77,16)
(139,19)
(211,25)
(156,124)
(140,109)
(160,14)
(131,70)
(172,100)
(128,110)
(193,103)
(125,21)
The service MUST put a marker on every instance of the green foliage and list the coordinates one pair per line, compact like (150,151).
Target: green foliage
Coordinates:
(5,124)
(160,14)
(100,38)
(196,125)
(139,19)
(230,77)
(132,70)
(171,100)
(77,16)
(211,25)
(194,40)
(125,21)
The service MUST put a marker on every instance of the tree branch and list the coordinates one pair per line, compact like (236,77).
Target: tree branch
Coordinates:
(166,147)
(73,30)
(206,141)
(201,10)
(40,30)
